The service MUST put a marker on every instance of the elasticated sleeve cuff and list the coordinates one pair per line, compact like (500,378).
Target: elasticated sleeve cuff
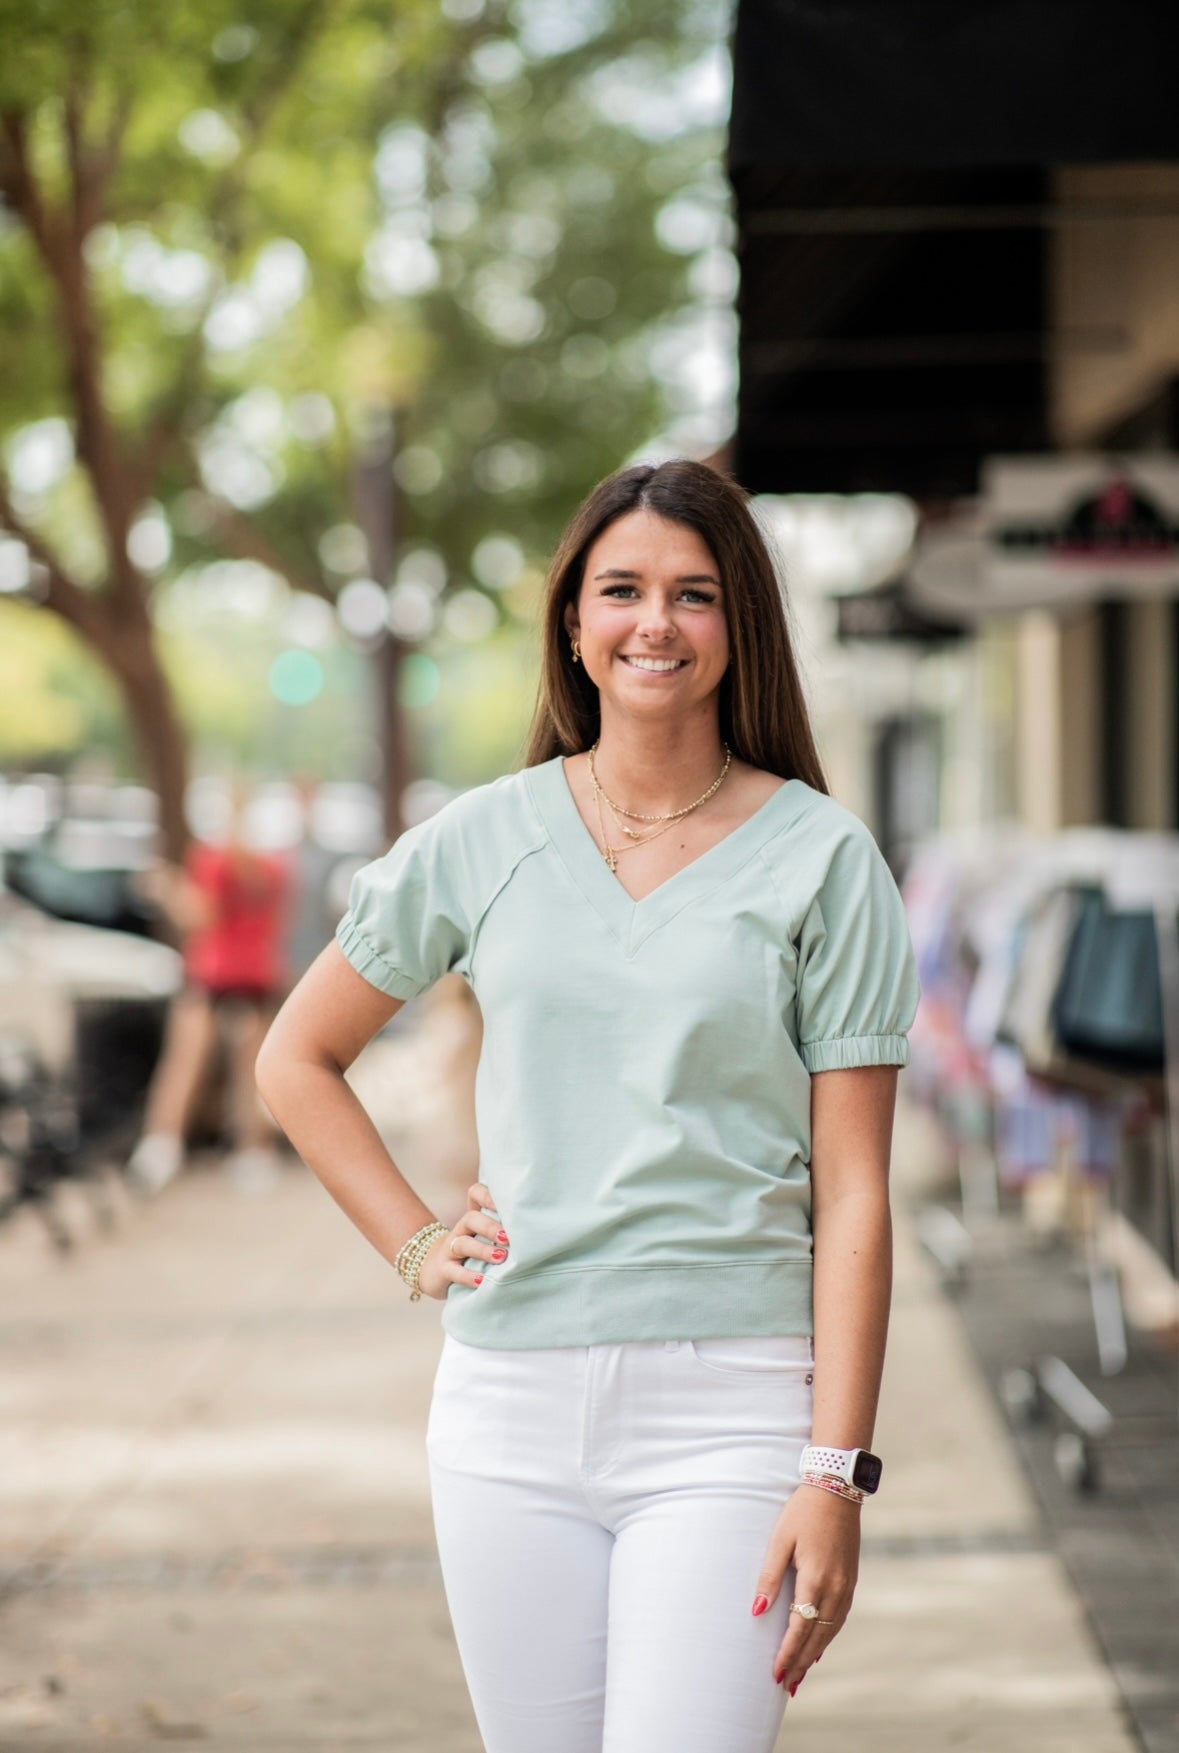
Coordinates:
(369,963)
(849,1051)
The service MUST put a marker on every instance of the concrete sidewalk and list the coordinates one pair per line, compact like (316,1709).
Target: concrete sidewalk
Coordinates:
(215,1524)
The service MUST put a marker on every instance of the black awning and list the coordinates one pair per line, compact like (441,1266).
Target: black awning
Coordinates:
(892,165)
(852,84)
(888,358)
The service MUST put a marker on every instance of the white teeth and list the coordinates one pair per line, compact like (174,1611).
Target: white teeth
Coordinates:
(654,663)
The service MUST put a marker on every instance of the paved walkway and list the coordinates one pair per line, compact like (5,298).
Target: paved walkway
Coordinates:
(215,1526)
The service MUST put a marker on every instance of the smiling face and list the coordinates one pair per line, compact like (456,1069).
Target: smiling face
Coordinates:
(650,617)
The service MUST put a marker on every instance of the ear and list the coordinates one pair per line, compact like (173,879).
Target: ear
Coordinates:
(572,624)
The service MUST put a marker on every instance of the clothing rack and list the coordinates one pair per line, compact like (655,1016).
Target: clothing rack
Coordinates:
(970,904)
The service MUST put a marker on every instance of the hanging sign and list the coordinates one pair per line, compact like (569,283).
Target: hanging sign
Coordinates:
(1086,526)
(1056,533)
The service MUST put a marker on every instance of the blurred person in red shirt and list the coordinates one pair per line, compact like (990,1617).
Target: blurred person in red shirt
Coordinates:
(229,904)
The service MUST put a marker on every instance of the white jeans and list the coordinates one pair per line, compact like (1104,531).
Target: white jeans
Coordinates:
(602,1515)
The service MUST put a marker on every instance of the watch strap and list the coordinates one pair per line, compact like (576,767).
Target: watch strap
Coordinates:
(839,1464)
(837,1461)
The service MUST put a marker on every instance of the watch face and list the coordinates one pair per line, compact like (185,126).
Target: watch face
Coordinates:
(867,1470)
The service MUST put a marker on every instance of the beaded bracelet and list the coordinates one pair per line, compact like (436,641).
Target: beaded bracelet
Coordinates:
(411,1256)
(411,1242)
(829,1482)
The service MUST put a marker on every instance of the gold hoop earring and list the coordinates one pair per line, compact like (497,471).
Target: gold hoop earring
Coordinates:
(576,651)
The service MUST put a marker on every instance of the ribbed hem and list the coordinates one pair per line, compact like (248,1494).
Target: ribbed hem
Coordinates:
(610,1305)
(845,1053)
(375,969)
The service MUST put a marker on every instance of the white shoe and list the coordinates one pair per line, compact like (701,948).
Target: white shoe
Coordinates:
(157,1159)
(255,1170)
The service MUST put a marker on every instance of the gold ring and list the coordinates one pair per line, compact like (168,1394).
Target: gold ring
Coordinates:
(808,1611)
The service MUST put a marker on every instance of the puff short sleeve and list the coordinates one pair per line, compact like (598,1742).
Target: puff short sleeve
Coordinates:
(858,987)
(407,919)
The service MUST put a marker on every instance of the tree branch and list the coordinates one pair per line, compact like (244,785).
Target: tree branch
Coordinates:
(74,129)
(166,426)
(107,155)
(240,536)
(68,599)
(92,161)
(62,249)
(19,186)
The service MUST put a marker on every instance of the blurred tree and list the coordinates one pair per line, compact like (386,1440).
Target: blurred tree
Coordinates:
(285,282)
(53,694)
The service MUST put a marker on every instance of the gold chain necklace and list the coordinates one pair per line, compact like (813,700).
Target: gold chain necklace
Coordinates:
(612,853)
(639,837)
(671,815)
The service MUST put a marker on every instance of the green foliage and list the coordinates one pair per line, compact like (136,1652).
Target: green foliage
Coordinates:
(55,701)
(236,721)
(319,213)
(476,726)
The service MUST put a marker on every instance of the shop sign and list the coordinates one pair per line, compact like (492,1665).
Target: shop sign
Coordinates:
(1086,526)
(1055,533)
(887,615)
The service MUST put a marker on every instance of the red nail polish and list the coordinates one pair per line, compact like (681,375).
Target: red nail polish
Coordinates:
(498,1254)
(779,1677)
(793,1689)
(502,1236)
(478,1278)
(759,1605)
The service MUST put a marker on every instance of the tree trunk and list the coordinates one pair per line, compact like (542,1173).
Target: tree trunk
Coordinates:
(394,732)
(376,511)
(161,738)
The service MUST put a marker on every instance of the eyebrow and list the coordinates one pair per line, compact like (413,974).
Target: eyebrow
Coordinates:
(686,578)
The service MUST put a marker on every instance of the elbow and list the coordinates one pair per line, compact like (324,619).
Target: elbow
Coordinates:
(266,1072)
(280,1070)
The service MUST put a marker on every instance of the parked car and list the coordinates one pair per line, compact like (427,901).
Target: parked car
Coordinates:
(82,1012)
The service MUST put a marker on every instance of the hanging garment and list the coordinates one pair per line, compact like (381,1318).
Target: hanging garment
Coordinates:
(1108,1006)
(1039,952)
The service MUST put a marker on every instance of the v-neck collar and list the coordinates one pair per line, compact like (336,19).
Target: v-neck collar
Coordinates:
(633,921)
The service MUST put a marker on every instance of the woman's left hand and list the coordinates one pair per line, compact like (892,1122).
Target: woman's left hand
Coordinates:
(818,1533)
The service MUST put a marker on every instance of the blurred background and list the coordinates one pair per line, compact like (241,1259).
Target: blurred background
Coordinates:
(317,319)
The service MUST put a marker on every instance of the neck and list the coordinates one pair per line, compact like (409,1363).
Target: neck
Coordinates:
(659,767)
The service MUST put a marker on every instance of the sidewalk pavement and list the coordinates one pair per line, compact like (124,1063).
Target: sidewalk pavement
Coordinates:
(215,1523)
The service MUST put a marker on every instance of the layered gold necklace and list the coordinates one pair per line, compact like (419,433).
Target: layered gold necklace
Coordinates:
(641,836)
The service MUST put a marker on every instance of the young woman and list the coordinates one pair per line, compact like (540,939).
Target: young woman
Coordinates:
(666,1304)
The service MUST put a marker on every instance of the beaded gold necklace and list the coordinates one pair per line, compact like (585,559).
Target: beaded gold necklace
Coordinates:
(637,836)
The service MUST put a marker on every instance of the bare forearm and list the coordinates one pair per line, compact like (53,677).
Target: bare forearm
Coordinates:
(324,1120)
(852,1294)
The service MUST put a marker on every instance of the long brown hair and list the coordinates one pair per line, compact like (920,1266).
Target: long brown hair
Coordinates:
(763,715)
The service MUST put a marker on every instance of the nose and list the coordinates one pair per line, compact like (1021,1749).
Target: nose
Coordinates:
(655,621)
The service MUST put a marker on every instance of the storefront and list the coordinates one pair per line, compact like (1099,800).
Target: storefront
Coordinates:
(958,234)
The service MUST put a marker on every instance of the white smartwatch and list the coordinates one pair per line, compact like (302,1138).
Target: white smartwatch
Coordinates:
(858,1467)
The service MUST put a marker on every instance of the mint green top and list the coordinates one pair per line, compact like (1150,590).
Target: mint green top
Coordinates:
(643,1094)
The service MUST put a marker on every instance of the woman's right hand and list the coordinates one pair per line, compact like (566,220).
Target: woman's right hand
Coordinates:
(475,1235)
